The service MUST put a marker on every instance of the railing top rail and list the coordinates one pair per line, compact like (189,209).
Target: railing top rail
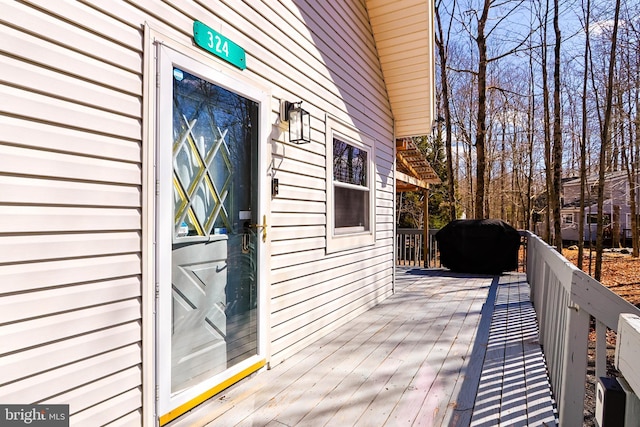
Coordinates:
(562,268)
(415,230)
(586,292)
(598,300)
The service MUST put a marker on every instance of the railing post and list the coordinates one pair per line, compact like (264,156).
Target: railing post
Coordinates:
(571,405)
(627,348)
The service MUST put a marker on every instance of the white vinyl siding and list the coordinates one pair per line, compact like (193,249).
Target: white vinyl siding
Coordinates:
(70,244)
(71,168)
(312,291)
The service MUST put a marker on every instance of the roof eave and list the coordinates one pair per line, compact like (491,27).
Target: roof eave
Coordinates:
(404,36)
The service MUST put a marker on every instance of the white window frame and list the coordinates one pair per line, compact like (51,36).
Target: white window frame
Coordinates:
(348,238)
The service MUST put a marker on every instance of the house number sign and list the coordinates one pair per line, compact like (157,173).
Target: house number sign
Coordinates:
(214,42)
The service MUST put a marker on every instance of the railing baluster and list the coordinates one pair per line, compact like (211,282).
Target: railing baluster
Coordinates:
(601,349)
(411,251)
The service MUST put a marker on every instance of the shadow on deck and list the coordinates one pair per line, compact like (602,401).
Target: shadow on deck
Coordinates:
(446,349)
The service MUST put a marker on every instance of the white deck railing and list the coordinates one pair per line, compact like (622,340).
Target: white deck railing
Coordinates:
(410,248)
(564,298)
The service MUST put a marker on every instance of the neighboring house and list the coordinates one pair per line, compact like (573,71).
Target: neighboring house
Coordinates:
(616,207)
(162,235)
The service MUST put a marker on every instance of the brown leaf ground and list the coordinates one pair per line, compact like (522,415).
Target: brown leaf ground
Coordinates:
(620,273)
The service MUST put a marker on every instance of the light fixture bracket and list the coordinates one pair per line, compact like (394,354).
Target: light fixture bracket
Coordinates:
(286,107)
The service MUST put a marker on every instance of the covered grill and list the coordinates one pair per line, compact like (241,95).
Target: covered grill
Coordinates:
(487,246)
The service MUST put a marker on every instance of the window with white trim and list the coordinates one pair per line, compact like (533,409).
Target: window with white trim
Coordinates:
(567,218)
(350,187)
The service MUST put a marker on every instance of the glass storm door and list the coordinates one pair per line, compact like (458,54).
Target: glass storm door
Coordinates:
(207,235)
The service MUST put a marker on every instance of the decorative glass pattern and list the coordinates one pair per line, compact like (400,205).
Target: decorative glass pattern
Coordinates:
(210,128)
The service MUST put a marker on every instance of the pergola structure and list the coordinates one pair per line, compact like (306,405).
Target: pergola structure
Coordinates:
(414,173)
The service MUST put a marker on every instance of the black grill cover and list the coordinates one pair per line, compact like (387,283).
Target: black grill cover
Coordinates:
(486,246)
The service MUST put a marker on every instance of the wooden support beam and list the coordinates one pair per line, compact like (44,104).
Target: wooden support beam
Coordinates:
(407,166)
(425,237)
(408,179)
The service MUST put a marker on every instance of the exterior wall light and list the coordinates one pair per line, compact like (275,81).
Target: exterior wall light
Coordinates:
(299,122)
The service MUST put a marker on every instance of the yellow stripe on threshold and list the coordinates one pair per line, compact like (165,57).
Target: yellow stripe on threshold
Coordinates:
(172,415)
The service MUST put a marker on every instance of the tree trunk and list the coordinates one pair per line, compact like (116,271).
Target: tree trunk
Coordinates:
(503,173)
(605,142)
(546,120)
(557,134)
(615,228)
(530,138)
(583,139)
(629,161)
(442,51)
(482,112)
(635,148)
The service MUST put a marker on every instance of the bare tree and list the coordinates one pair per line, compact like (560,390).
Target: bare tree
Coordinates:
(543,18)
(481,43)
(583,138)
(630,150)
(531,109)
(605,142)
(442,44)
(480,38)
(557,134)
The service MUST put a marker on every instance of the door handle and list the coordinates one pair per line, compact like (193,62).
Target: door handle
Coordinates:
(246,242)
(263,226)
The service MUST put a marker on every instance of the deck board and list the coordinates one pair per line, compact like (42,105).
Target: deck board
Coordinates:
(449,359)
(441,351)
(392,375)
(514,387)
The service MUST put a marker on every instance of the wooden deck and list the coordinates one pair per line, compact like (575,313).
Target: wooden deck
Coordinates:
(514,387)
(416,359)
